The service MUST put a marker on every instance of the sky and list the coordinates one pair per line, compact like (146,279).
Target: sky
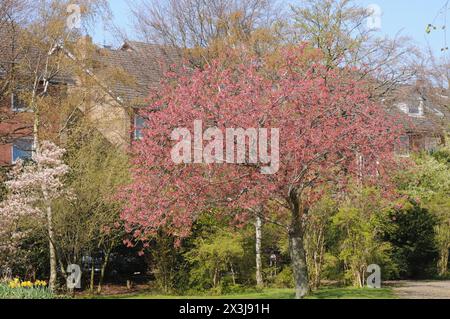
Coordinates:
(405,17)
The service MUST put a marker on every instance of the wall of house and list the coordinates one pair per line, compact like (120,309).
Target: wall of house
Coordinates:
(19,125)
(425,142)
(12,126)
(5,154)
(112,120)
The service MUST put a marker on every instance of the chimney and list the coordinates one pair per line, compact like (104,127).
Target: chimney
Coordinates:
(84,46)
(421,86)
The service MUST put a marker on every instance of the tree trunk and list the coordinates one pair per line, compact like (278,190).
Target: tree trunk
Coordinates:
(259,277)
(102,272)
(233,275)
(298,260)
(297,249)
(215,278)
(443,262)
(91,284)
(319,259)
(359,280)
(53,267)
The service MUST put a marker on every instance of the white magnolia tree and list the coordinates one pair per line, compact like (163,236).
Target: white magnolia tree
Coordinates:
(32,188)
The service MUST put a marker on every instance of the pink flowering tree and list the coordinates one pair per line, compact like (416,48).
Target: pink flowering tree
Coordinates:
(32,188)
(319,121)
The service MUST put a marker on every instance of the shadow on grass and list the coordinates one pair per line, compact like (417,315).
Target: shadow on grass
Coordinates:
(353,293)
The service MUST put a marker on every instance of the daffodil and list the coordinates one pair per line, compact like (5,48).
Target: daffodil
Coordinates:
(12,285)
(40,283)
(27,284)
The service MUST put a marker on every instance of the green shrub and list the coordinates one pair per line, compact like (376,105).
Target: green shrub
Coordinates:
(285,279)
(213,261)
(332,268)
(413,240)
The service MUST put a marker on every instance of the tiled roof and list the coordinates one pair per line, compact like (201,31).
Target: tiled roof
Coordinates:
(15,51)
(144,63)
(433,119)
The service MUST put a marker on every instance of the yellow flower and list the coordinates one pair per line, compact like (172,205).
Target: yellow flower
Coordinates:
(12,285)
(17,283)
(40,283)
(27,284)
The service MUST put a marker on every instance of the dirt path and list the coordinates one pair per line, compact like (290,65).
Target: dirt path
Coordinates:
(422,289)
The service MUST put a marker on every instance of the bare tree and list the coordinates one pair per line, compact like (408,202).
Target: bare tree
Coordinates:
(195,23)
(433,82)
(13,15)
(341,30)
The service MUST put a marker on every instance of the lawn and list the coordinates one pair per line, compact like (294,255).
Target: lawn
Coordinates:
(326,293)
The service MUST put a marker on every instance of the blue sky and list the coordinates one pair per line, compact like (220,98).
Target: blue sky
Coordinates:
(409,17)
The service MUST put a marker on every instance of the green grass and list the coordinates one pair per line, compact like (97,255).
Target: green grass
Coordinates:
(326,293)
(25,293)
(353,293)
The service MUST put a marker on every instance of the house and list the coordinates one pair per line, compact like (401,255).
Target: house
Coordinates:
(16,82)
(115,112)
(14,126)
(425,121)
(144,66)
(15,129)
(112,109)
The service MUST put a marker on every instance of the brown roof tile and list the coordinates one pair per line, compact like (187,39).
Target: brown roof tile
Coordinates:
(144,63)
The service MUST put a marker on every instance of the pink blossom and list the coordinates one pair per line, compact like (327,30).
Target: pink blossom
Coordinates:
(327,122)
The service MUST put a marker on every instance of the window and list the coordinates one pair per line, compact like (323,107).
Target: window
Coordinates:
(17,104)
(139,124)
(414,110)
(22,149)
(403,146)
(432,144)
(403,107)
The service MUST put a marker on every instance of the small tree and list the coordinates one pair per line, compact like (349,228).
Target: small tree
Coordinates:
(316,236)
(411,232)
(441,205)
(214,257)
(358,221)
(429,182)
(32,189)
(89,223)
